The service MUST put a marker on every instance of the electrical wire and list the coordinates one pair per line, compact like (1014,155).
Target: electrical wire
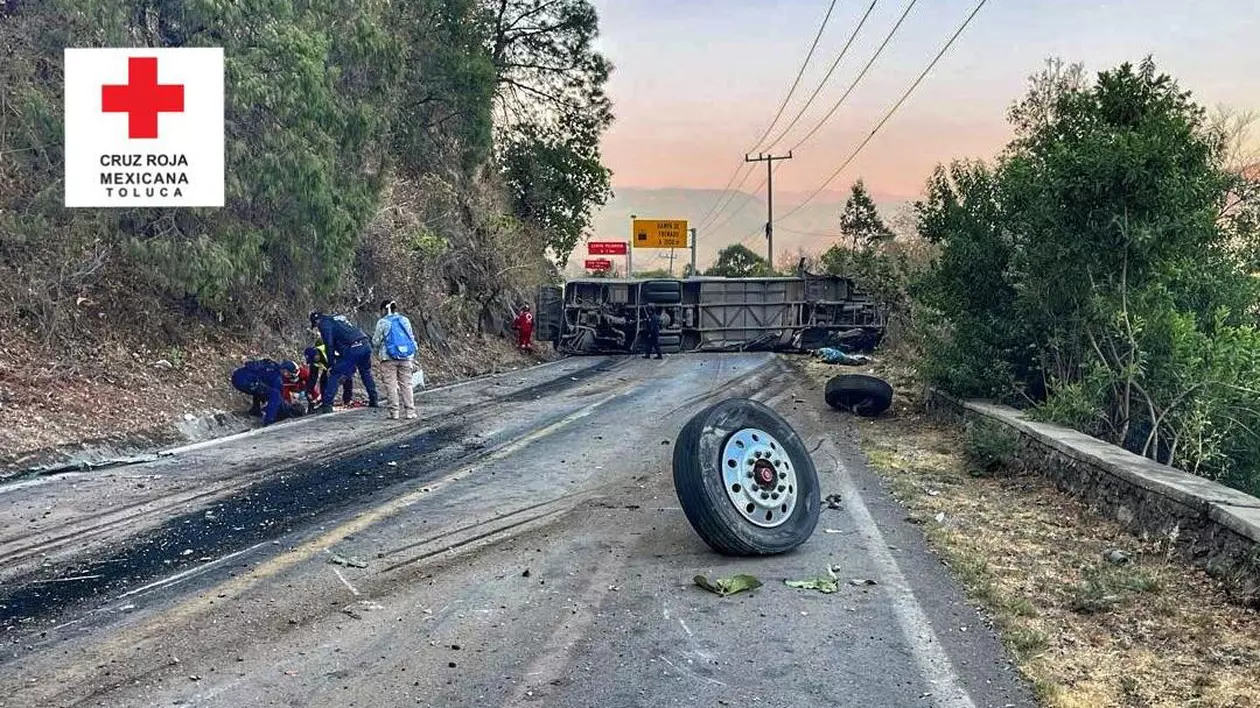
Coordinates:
(837,104)
(800,73)
(714,210)
(889,114)
(818,89)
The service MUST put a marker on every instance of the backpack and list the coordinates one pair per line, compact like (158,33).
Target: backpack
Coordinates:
(398,344)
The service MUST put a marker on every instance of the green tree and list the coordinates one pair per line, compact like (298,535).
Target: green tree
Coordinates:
(1094,270)
(738,261)
(553,111)
(860,220)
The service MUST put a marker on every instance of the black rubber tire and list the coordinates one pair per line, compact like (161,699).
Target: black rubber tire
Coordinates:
(699,483)
(670,340)
(661,291)
(662,298)
(860,393)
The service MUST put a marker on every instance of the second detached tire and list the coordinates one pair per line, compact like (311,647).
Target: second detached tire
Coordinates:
(745,480)
(864,395)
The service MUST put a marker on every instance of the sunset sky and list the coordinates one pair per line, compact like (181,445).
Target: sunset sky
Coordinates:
(697,81)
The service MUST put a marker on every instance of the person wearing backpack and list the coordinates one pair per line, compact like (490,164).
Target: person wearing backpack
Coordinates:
(395,344)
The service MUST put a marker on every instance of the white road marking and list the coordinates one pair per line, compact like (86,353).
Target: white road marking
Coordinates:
(346,582)
(190,572)
(934,664)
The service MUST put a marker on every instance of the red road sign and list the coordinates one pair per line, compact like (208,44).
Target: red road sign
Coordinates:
(598,264)
(607,248)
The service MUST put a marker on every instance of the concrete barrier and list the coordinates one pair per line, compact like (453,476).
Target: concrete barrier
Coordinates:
(1216,527)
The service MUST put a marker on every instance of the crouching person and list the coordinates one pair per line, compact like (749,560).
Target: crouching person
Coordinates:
(264,380)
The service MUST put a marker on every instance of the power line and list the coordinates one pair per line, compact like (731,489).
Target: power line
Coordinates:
(726,191)
(809,102)
(853,85)
(890,112)
(799,74)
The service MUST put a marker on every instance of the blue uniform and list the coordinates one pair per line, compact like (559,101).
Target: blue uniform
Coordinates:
(353,350)
(263,380)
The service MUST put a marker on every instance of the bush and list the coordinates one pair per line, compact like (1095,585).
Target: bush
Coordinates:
(1093,273)
(989,447)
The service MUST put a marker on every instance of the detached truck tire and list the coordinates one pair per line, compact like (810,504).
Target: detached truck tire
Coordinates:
(864,395)
(745,480)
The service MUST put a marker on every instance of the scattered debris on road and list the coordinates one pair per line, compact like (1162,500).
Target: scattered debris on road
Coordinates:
(833,501)
(357,609)
(728,586)
(828,584)
(348,562)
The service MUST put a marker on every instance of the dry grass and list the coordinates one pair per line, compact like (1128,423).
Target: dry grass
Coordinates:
(1085,632)
(121,391)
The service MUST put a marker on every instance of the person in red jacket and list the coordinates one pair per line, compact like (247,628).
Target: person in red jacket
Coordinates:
(524,326)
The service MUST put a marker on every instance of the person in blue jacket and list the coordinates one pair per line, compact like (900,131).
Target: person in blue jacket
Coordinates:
(353,350)
(264,380)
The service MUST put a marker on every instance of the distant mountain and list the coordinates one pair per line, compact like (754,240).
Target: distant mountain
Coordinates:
(812,229)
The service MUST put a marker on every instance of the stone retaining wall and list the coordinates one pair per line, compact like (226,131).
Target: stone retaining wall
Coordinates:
(1217,527)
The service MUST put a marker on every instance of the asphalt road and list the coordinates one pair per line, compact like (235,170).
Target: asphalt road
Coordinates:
(519,545)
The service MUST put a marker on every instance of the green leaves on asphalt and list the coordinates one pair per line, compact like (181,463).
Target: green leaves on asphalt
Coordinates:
(826,584)
(728,586)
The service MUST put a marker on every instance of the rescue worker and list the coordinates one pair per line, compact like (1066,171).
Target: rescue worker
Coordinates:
(653,339)
(264,381)
(352,349)
(524,326)
(317,361)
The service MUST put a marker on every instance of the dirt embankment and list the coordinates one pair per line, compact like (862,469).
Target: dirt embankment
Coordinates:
(1092,615)
(120,392)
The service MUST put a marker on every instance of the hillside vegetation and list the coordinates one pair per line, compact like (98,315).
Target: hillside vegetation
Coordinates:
(440,152)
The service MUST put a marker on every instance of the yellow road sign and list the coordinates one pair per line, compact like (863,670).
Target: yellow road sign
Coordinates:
(656,233)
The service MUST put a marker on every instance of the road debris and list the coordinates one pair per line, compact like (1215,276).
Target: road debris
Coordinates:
(833,501)
(832,531)
(348,562)
(862,581)
(1115,556)
(357,609)
(828,584)
(728,586)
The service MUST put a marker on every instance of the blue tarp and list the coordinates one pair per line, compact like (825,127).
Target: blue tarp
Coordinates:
(835,356)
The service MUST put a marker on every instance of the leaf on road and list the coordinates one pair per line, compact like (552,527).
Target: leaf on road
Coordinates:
(728,586)
(826,584)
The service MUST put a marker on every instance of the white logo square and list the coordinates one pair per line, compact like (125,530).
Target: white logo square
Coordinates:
(144,127)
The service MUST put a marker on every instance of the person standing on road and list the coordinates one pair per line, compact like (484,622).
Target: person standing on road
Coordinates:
(352,349)
(653,332)
(395,345)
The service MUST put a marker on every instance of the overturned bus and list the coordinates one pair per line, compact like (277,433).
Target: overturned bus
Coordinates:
(603,316)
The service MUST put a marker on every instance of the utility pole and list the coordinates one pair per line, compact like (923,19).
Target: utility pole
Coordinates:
(693,252)
(630,249)
(769,160)
(671,262)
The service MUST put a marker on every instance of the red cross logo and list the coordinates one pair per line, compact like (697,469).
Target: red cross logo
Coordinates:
(142,98)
